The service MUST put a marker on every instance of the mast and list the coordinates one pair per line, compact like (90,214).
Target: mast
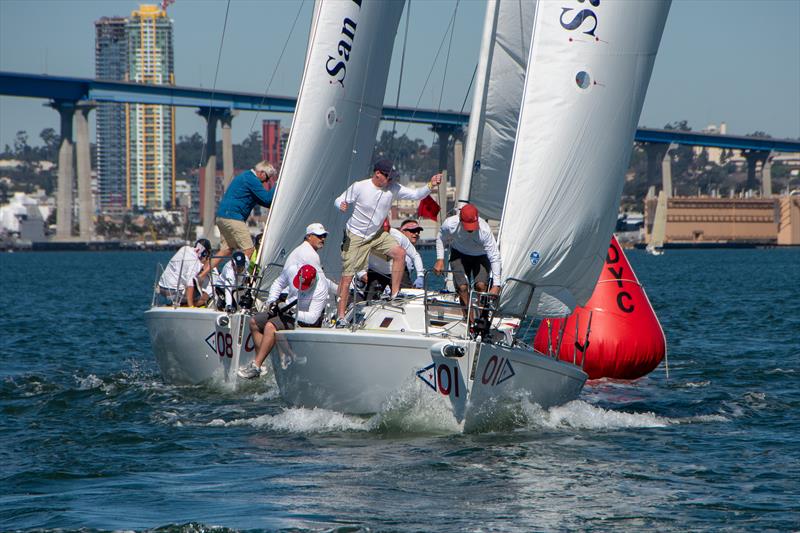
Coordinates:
(496,105)
(478,111)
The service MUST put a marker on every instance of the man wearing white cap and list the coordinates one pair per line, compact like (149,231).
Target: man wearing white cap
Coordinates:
(304,280)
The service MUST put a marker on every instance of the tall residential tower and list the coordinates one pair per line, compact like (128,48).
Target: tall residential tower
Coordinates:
(135,142)
(151,128)
(111,63)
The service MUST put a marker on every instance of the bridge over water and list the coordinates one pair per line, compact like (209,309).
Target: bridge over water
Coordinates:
(74,98)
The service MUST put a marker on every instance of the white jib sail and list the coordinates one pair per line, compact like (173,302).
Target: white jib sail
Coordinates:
(496,103)
(334,126)
(589,66)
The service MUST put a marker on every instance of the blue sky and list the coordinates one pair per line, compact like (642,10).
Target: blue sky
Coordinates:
(736,61)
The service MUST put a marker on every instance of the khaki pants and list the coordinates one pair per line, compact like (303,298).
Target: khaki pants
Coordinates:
(356,250)
(234,234)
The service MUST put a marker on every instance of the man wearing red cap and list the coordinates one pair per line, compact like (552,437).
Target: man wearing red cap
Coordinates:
(371,200)
(473,252)
(307,287)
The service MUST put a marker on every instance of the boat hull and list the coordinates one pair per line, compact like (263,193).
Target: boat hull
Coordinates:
(361,372)
(197,345)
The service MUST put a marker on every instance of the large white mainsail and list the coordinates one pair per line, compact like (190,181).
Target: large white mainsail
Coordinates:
(588,70)
(496,104)
(335,123)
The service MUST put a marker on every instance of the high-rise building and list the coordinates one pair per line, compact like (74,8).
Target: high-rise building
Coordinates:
(151,128)
(111,63)
(135,142)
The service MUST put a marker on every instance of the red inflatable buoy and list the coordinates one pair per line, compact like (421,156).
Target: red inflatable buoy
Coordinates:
(625,340)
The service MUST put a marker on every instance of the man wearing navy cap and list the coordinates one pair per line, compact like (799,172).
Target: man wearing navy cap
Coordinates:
(371,200)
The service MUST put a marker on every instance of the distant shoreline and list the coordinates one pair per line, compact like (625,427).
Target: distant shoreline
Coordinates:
(124,246)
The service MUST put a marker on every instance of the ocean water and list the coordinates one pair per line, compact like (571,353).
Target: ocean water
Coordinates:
(91,438)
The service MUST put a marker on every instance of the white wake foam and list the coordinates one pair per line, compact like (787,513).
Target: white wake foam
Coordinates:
(89,382)
(578,414)
(301,420)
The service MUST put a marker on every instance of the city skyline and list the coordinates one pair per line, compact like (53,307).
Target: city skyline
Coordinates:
(710,67)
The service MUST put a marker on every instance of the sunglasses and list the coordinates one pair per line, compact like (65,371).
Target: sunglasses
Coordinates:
(416,230)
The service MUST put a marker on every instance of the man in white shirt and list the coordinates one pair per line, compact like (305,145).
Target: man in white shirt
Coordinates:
(231,277)
(177,282)
(371,200)
(304,280)
(411,229)
(379,272)
(473,252)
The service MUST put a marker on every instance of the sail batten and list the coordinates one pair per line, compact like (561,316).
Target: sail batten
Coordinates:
(587,75)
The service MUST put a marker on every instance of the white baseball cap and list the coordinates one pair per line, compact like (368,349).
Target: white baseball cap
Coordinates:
(316,229)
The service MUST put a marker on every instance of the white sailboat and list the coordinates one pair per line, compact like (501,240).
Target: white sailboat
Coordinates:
(587,72)
(332,135)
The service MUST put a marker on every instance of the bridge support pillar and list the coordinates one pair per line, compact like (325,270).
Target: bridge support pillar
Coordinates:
(659,162)
(83,152)
(766,178)
(444,132)
(209,185)
(753,157)
(666,174)
(66,173)
(226,120)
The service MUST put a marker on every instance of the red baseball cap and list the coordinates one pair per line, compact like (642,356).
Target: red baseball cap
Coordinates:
(469,217)
(305,277)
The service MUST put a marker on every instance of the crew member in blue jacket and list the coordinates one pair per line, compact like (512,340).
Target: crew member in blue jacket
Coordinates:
(256,186)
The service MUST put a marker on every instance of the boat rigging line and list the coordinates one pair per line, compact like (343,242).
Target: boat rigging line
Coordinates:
(213,89)
(450,27)
(216,74)
(400,77)
(277,64)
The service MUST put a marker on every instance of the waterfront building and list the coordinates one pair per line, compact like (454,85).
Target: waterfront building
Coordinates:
(714,221)
(150,128)
(111,63)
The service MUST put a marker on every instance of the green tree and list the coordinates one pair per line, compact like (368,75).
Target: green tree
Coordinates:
(248,153)
(188,153)
(49,152)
